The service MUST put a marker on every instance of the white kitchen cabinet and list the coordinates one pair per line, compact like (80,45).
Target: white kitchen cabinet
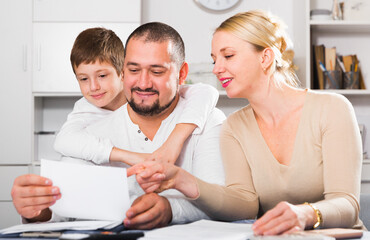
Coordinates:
(39,87)
(365,176)
(15,79)
(56,24)
(50,114)
(9,216)
(7,176)
(52,71)
(87,11)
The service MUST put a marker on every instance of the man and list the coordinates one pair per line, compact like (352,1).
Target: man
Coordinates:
(154,67)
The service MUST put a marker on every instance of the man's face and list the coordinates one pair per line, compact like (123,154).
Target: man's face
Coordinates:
(150,77)
(100,84)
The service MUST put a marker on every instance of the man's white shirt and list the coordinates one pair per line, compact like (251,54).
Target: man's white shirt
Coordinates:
(200,155)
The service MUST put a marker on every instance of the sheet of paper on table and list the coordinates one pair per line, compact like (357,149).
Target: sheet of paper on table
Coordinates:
(213,230)
(203,229)
(57,226)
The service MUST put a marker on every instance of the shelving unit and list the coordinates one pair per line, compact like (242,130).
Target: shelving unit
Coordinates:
(349,37)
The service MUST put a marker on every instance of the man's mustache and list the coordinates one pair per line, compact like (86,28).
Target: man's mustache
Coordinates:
(144,90)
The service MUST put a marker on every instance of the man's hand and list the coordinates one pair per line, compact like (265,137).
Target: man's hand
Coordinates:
(148,211)
(33,195)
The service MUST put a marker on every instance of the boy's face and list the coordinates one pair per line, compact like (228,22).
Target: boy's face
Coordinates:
(100,84)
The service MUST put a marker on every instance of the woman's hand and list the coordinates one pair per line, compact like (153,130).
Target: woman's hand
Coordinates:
(284,218)
(156,177)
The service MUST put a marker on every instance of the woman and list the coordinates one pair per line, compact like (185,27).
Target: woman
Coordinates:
(292,156)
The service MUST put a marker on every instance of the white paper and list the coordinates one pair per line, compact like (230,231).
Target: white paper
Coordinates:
(203,229)
(56,226)
(88,191)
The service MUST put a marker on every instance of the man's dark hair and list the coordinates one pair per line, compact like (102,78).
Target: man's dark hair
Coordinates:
(160,32)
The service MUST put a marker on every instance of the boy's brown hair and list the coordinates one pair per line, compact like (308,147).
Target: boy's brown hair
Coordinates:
(98,44)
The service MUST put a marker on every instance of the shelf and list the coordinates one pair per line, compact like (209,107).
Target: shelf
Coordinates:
(341,26)
(57,94)
(346,91)
(339,23)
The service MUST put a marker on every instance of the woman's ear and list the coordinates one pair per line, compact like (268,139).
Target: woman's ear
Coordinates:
(268,57)
(184,70)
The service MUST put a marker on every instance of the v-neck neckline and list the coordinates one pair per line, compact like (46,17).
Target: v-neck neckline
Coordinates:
(298,132)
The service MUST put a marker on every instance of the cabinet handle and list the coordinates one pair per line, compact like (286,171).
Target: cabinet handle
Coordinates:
(25,58)
(39,58)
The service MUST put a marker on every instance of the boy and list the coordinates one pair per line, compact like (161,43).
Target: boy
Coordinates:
(97,60)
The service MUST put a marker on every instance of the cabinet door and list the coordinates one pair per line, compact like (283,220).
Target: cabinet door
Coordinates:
(15,79)
(365,177)
(53,43)
(7,176)
(9,216)
(87,11)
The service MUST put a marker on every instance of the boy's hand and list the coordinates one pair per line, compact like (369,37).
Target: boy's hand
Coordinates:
(148,211)
(167,153)
(130,158)
(171,149)
(33,195)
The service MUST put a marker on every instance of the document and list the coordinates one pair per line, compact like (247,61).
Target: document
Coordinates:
(213,230)
(203,229)
(57,226)
(88,191)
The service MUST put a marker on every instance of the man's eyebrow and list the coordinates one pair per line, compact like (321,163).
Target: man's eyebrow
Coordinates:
(132,64)
(157,66)
(152,66)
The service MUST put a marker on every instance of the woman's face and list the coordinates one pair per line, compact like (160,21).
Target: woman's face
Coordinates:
(237,64)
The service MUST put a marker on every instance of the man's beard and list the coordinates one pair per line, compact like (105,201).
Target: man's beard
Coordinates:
(152,110)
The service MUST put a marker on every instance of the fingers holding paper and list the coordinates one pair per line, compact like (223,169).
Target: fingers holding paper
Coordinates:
(32,195)
(148,211)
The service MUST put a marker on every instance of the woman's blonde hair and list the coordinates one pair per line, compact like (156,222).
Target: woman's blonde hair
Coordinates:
(263,30)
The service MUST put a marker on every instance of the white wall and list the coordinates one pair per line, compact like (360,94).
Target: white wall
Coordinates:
(196,26)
